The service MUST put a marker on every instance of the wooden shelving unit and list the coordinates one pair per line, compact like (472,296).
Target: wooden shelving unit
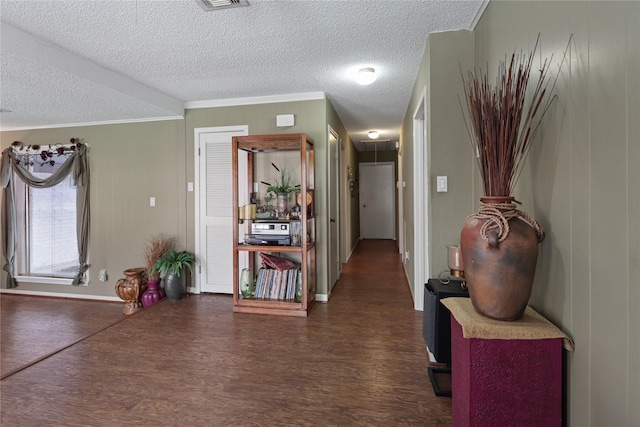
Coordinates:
(249,149)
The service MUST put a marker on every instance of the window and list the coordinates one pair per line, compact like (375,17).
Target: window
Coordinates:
(40,237)
(46,226)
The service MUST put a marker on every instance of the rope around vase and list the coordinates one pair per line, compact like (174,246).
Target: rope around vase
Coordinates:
(497,216)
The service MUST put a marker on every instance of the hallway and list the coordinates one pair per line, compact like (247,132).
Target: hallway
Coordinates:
(358,360)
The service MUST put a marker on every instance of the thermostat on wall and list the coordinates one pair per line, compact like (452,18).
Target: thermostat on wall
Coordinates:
(284,120)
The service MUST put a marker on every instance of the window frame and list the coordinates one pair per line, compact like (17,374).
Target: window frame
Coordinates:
(23,247)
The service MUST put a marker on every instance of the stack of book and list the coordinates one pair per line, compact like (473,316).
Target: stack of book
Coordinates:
(277,284)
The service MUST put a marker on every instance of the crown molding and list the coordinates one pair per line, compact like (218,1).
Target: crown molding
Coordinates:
(479,13)
(252,100)
(106,122)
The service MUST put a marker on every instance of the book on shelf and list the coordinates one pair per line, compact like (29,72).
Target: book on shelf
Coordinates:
(276,284)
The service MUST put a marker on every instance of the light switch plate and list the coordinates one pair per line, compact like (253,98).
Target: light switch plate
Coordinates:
(441,184)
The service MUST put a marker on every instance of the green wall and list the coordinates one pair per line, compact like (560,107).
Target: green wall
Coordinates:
(132,162)
(310,118)
(129,164)
(446,152)
(349,215)
(582,185)
(581,181)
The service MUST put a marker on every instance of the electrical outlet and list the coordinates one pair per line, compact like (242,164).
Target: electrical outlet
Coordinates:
(102,275)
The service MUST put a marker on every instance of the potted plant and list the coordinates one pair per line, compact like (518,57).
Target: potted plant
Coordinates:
(170,266)
(499,244)
(281,188)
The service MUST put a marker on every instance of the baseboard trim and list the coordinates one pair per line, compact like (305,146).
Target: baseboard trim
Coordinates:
(60,295)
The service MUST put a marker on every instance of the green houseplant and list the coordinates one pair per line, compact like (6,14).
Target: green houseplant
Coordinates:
(281,188)
(170,266)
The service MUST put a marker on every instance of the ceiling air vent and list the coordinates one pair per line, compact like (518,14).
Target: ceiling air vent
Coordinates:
(209,5)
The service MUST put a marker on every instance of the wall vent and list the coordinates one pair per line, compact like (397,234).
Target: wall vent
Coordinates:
(209,5)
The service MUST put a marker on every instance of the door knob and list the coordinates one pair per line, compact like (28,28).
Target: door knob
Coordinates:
(333,220)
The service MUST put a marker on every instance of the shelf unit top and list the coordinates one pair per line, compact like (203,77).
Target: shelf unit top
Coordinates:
(268,143)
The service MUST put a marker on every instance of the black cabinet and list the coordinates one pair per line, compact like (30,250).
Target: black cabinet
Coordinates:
(436,325)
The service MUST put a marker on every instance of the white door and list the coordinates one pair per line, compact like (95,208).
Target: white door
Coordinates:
(334,201)
(214,215)
(377,200)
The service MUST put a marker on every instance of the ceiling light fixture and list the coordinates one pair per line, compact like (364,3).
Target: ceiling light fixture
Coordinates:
(373,134)
(366,76)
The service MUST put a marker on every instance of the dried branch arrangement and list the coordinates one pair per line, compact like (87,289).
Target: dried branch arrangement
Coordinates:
(502,123)
(156,247)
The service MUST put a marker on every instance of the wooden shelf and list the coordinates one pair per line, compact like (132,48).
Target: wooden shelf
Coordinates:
(255,149)
(265,248)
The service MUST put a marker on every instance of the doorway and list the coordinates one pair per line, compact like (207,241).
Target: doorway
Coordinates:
(420,235)
(213,201)
(334,209)
(377,200)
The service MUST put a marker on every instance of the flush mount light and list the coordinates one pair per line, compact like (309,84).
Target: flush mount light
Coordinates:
(373,134)
(366,76)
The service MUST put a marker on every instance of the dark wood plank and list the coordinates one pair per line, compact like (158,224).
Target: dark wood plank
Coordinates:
(359,360)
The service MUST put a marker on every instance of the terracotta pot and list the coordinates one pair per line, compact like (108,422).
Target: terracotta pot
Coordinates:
(131,287)
(499,265)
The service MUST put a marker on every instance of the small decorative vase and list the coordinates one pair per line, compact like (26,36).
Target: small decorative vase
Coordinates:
(299,286)
(174,286)
(130,289)
(282,200)
(500,249)
(153,294)
(246,283)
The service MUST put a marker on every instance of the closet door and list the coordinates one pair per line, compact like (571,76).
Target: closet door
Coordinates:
(214,217)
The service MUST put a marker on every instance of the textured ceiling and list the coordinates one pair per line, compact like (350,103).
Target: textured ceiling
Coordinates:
(72,62)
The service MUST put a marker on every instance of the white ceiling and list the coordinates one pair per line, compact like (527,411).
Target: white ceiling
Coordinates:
(82,61)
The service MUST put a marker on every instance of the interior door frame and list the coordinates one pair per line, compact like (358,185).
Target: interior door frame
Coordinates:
(241,130)
(421,197)
(345,207)
(333,199)
(400,221)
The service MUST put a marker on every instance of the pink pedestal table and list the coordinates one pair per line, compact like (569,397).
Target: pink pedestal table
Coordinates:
(505,373)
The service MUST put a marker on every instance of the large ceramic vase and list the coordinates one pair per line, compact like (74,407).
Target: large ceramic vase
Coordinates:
(499,247)
(174,286)
(153,294)
(130,289)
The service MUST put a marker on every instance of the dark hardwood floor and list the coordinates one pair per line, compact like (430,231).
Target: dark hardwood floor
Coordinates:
(358,360)
(35,327)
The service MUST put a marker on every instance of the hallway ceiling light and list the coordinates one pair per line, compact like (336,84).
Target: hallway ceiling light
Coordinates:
(373,134)
(366,76)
